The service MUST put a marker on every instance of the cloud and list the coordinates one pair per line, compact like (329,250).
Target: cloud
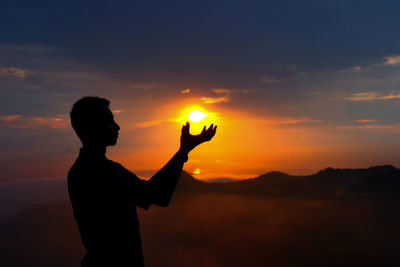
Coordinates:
(356,68)
(288,120)
(224,95)
(21,122)
(270,80)
(186,91)
(367,120)
(226,162)
(371,96)
(145,86)
(291,74)
(152,123)
(221,91)
(245,91)
(369,127)
(392,60)
(13,72)
(215,100)
(146,124)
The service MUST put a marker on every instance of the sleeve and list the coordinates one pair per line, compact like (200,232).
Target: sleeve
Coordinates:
(133,188)
(159,188)
(164,182)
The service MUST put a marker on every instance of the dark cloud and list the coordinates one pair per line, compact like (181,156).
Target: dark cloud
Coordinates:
(208,42)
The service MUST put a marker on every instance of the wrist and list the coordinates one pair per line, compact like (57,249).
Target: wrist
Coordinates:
(184,149)
(183,153)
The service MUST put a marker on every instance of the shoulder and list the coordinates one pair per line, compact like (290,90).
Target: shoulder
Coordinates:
(116,165)
(81,168)
(121,170)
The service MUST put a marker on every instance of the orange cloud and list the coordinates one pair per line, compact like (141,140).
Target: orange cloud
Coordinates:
(392,60)
(221,91)
(225,96)
(13,72)
(21,122)
(388,128)
(152,123)
(287,120)
(146,124)
(371,96)
(186,91)
(215,100)
(245,91)
(367,120)
(270,80)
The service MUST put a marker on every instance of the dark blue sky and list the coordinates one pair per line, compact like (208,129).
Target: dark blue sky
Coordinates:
(208,40)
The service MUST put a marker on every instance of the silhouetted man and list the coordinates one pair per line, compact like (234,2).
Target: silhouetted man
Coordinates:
(104,194)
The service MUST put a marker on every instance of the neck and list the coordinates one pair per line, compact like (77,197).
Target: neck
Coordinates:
(92,150)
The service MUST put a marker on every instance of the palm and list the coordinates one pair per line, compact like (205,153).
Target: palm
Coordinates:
(189,141)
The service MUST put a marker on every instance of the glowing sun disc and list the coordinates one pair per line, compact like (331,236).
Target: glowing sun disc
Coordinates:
(196,115)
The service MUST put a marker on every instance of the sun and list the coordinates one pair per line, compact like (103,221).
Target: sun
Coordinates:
(196,115)
(198,118)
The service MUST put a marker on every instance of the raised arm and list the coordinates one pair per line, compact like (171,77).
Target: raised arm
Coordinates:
(164,182)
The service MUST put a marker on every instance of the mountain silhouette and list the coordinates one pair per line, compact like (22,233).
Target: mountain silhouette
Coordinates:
(383,181)
(378,181)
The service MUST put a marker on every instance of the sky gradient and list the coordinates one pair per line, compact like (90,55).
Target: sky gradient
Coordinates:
(294,86)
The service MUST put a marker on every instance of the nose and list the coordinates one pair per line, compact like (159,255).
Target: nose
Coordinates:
(118,128)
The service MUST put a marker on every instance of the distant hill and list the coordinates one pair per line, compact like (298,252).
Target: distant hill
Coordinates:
(221,180)
(383,181)
(17,195)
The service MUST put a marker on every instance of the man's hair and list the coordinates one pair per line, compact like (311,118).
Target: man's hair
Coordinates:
(87,112)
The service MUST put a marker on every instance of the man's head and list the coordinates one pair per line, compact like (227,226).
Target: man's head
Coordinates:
(94,122)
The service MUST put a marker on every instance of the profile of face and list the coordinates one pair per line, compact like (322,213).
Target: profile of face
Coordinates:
(104,130)
(110,129)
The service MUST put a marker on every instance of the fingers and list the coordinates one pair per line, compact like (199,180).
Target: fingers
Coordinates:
(212,129)
(210,132)
(186,127)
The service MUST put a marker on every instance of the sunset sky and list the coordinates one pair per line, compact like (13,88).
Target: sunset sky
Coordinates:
(294,86)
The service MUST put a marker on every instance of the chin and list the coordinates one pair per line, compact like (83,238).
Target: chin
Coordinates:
(112,142)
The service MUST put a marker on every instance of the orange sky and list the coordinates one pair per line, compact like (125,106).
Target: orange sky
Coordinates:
(248,142)
(245,145)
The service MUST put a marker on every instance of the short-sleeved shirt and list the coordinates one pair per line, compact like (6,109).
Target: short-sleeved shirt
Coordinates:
(104,196)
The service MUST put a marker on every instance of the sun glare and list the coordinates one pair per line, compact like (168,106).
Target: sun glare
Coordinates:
(198,118)
(196,171)
(196,115)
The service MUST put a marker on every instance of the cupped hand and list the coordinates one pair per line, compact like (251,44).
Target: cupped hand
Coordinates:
(189,141)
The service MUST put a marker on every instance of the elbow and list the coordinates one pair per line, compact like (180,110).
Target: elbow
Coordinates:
(161,196)
(164,202)
(164,205)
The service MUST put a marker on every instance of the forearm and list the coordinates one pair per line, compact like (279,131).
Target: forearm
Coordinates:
(164,182)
